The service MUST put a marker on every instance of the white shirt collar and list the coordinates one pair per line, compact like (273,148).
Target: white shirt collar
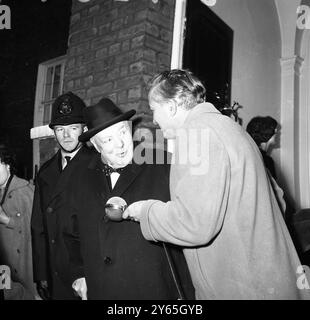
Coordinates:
(65,154)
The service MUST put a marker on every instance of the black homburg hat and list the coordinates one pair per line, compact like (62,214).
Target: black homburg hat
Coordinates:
(102,115)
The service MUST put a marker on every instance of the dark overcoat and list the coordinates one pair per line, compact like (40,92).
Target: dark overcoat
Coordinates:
(118,262)
(50,257)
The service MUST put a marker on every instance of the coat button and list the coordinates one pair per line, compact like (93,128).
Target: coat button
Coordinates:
(53,241)
(18,251)
(49,210)
(107,260)
(18,214)
(56,273)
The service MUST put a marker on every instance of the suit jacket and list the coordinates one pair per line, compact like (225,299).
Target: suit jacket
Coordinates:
(225,209)
(118,262)
(50,257)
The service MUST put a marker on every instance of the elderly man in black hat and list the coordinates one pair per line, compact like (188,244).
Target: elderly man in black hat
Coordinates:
(118,262)
(50,258)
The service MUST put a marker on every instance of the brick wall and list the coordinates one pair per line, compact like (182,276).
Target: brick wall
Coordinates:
(115,48)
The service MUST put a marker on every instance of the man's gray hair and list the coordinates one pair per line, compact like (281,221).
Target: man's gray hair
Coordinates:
(178,85)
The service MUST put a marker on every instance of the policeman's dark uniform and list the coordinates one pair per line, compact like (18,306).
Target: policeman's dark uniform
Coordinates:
(50,257)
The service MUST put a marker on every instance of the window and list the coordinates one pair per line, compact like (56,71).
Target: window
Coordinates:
(49,87)
(208,47)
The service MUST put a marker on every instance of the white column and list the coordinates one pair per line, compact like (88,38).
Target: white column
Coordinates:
(177,44)
(178,34)
(289,119)
(302,70)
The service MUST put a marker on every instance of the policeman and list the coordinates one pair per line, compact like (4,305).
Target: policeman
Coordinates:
(48,223)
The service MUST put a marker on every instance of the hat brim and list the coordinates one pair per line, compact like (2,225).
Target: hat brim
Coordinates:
(66,122)
(90,133)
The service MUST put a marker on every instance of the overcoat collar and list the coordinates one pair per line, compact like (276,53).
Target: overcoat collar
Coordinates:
(52,170)
(65,175)
(200,109)
(126,178)
(17,183)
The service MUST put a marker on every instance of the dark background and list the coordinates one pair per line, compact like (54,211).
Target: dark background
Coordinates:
(39,32)
(208,50)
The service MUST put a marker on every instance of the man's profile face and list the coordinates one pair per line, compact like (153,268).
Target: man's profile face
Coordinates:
(115,144)
(162,117)
(68,136)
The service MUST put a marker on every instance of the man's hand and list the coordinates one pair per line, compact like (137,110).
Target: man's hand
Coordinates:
(133,211)
(80,287)
(4,219)
(43,290)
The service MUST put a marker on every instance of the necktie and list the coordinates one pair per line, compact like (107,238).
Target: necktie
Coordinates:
(67,159)
(65,163)
(108,170)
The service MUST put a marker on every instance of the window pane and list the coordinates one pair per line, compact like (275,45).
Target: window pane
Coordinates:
(56,84)
(48,86)
(47,114)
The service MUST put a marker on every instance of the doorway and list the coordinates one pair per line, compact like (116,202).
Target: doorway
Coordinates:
(207,51)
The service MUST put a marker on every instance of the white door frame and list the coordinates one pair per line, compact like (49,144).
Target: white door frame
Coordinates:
(302,109)
(177,44)
(40,131)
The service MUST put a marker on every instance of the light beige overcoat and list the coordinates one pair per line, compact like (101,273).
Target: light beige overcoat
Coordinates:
(225,211)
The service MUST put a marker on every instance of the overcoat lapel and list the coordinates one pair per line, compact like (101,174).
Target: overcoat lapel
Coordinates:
(65,175)
(98,179)
(126,178)
(51,175)
(102,189)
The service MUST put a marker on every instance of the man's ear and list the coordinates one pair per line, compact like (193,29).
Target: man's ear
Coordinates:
(173,108)
(85,129)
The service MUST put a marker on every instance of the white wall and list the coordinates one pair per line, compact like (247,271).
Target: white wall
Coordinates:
(257,49)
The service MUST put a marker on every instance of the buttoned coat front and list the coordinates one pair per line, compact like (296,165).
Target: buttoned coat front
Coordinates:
(224,208)
(49,252)
(118,262)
